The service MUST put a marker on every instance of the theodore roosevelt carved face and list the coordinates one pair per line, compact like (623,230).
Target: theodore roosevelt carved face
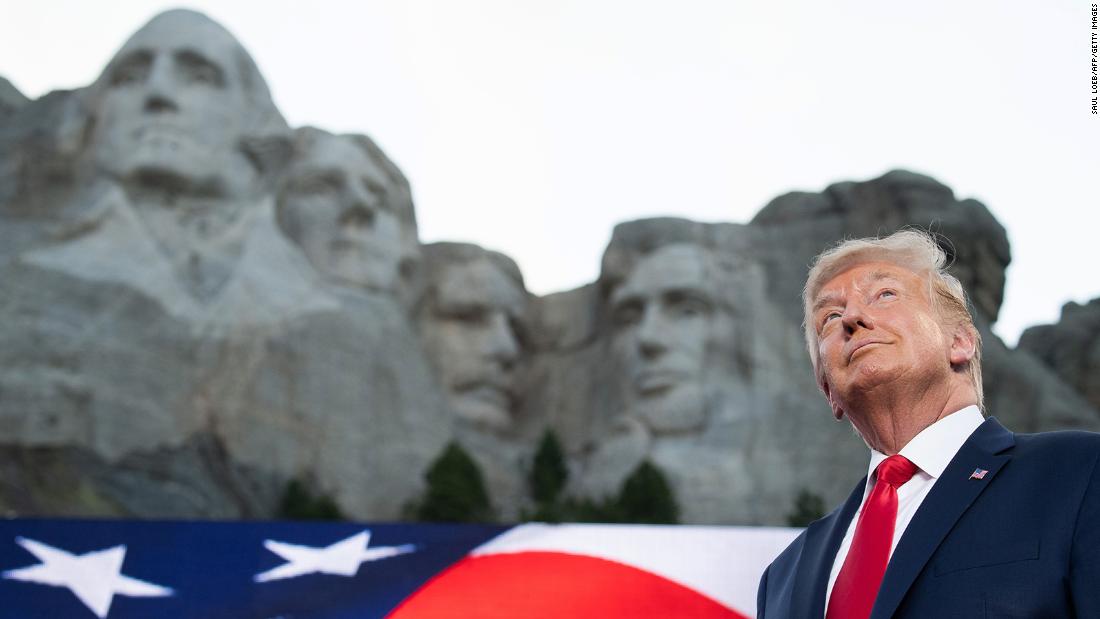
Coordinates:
(473,330)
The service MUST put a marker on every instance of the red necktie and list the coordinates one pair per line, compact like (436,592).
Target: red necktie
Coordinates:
(859,579)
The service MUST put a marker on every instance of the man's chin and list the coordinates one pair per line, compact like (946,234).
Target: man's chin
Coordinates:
(165,168)
(483,414)
(357,267)
(678,409)
(865,382)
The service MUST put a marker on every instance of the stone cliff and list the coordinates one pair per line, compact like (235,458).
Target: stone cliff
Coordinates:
(201,304)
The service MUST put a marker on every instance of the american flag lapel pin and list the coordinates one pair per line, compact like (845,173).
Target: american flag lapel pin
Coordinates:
(978,474)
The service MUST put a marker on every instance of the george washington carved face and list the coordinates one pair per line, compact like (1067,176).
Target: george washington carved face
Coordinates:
(174,105)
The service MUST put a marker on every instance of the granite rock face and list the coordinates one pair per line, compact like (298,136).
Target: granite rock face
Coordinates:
(1071,347)
(201,304)
(152,299)
(10,99)
(677,356)
(794,227)
(971,237)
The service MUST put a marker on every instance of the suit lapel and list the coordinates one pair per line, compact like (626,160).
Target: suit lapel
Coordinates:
(953,493)
(822,541)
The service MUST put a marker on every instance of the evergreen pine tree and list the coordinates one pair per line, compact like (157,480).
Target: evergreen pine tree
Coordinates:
(549,473)
(298,503)
(808,507)
(647,498)
(456,490)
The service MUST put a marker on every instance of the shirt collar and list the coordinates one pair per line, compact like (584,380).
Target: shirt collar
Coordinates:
(934,447)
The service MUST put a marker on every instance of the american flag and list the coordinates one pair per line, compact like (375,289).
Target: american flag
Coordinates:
(978,474)
(292,570)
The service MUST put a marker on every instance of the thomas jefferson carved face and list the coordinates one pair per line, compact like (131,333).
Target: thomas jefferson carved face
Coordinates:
(666,320)
(335,205)
(472,335)
(171,108)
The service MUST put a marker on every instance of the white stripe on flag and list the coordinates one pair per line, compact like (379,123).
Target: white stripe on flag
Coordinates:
(723,563)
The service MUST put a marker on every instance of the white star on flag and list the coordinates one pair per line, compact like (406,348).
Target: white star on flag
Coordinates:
(93,577)
(340,559)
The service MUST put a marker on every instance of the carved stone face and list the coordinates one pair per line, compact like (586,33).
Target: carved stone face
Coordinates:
(472,335)
(666,321)
(334,206)
(171,107)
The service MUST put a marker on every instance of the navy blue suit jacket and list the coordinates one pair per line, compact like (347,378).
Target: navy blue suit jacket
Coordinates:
(1024,541)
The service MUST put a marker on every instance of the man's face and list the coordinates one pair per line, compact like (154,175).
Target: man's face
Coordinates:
(472,337)
(172,106)
(664,318)
(876,325)
(334,205)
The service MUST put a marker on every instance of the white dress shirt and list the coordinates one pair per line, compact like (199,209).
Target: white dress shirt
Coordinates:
(931,451)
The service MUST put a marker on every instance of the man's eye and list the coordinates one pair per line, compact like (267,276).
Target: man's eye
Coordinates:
(132,71)
(829,317)
(204,75)
(627,314)
(685,304)
(691,308)
(198,70)
(318,183)
(472,315)
(887,294)
(377,192)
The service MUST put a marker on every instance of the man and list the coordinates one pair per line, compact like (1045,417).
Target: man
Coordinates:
(958,517)
(665,321)
(472,325)
(350,209)
(184,131)
(672,296)
(179,110)
(183,145)
(677,303)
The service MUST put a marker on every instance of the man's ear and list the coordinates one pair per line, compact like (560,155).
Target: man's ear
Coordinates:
(964,345)
(838,412)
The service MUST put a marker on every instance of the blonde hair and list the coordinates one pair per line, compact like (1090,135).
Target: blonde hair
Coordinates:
(914,250)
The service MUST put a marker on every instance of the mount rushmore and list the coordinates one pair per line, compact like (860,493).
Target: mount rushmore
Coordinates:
(201,303)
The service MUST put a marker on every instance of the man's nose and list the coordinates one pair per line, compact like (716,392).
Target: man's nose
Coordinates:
(358,216)
(500,341)
(652,333)
(361,205)
(855,316)
(160,88)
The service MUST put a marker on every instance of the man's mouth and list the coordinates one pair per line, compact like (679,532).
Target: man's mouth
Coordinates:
(488,392)
(162,131)
(360,245)
(863,345)
(653,382)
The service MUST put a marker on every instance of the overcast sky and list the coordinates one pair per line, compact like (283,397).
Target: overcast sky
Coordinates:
(533,127)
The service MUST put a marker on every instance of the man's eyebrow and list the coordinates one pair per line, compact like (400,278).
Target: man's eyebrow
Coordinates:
(829,299)
(132,55)
(688,292)
(621,296)
(137,56)
(872,277)
(194,57)
(461,306)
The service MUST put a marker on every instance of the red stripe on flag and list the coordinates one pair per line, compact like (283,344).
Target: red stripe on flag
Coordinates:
(552,585)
